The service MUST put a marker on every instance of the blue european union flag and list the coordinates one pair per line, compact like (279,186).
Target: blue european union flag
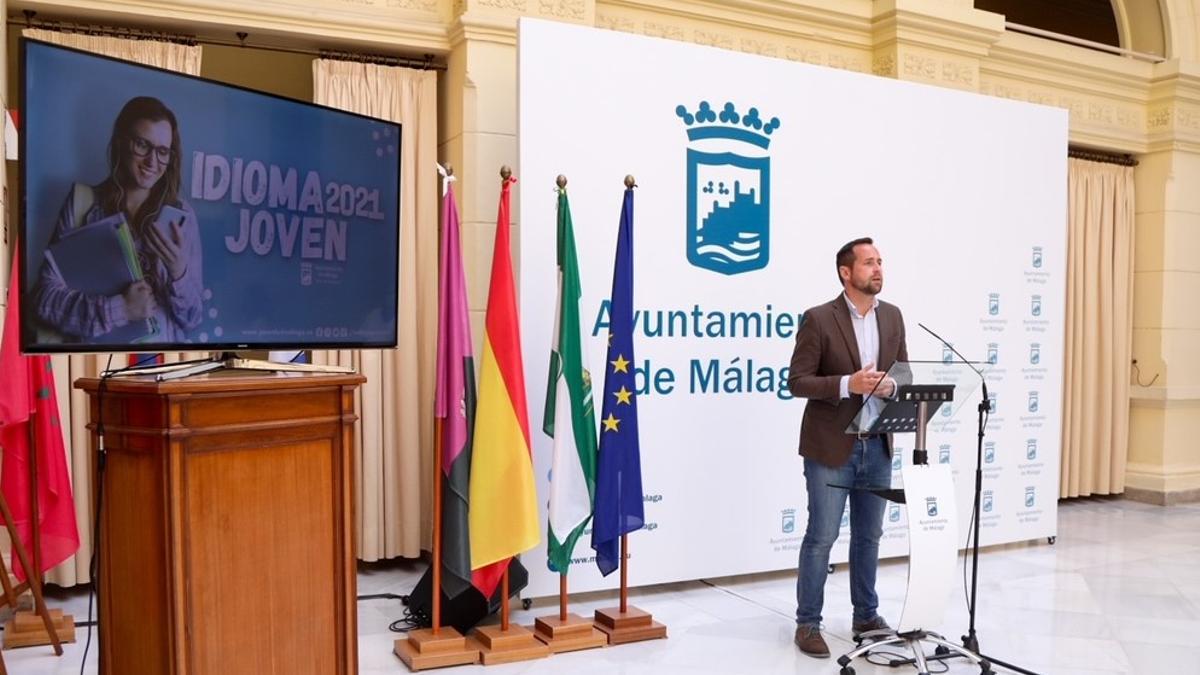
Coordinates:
(618,505)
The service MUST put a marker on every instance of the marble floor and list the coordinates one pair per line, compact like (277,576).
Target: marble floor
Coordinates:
(1118,593)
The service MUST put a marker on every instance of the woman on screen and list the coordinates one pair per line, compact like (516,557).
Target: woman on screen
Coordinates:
(153,290)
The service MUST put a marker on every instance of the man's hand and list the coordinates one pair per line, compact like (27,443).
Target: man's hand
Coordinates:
(864,381)
(887,388)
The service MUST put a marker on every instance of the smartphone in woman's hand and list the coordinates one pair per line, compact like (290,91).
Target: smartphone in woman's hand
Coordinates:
(168,216)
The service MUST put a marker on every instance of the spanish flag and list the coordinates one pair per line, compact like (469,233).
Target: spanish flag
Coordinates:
(504,514)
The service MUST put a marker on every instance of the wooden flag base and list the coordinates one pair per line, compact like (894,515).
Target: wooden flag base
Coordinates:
(422,649)
(26,629)
(507,646)
(573,634)
(633,625)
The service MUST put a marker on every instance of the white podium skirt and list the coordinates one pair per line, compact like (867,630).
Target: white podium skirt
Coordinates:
(932,545)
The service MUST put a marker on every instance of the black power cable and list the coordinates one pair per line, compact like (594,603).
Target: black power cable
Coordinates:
(384,596)
(101,455)
(101,462)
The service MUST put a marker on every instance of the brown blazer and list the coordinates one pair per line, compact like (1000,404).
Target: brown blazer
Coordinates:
(826,349)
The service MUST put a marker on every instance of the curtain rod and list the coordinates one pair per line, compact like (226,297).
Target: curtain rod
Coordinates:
(128,33)
(1101,156)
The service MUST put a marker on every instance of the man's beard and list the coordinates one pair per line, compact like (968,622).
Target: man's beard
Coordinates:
(869,287)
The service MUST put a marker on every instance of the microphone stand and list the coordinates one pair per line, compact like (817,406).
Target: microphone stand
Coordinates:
(971,640)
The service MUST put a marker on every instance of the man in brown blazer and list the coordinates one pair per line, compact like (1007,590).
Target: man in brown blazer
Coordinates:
(843,349)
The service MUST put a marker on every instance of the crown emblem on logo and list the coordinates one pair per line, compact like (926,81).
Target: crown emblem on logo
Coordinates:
(708,123)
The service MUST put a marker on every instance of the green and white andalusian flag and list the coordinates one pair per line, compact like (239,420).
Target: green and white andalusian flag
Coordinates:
(569,419)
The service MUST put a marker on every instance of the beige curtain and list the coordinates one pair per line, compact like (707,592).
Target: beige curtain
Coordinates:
(394,434)
(1099,328)
(72,403)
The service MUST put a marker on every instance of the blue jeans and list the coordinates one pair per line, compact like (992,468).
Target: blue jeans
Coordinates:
(869,466)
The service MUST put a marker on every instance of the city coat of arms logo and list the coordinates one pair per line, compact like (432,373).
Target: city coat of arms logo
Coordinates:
(728,187)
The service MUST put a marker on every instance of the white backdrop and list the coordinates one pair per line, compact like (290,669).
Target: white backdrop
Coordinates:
(964,194)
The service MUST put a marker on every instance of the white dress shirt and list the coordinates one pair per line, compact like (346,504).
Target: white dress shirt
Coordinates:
(866,333)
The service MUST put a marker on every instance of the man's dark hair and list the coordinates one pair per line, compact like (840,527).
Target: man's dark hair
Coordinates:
(845,255)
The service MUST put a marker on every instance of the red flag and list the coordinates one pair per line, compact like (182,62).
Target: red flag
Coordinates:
(27,398)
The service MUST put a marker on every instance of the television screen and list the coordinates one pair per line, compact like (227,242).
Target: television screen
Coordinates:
(167,212)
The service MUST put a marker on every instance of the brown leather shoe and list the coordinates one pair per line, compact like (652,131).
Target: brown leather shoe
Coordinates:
(870,625)
(809,640)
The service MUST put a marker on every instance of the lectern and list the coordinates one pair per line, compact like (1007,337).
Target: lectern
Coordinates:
(226,531)
(919,390)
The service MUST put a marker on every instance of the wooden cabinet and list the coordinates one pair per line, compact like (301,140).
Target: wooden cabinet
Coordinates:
(227,531)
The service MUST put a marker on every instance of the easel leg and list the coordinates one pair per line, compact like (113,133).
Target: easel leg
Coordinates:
(10,596)
(33,577)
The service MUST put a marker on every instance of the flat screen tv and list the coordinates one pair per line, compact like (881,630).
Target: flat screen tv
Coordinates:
(164,212)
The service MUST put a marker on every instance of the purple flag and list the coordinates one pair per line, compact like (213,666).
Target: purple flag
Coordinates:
(454,403)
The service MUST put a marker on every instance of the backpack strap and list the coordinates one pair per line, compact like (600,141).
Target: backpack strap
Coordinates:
(82,199)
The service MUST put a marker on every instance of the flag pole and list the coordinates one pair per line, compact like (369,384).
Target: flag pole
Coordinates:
(623,623)
(561,182)
(630,183)
(504,600)
(624,573)
(35,516)
(505,175)
(438,431)
(562,597)
(436,619)
(566,632)
(507,642)
(433,647)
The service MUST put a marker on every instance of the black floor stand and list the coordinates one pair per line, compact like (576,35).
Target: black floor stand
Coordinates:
(971,640)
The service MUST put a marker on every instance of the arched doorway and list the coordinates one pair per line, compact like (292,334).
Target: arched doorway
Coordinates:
(1136,25)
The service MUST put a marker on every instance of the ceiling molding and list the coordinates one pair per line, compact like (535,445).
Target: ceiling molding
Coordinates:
(311,24)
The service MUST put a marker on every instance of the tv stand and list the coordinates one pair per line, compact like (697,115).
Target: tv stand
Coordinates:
(220,361)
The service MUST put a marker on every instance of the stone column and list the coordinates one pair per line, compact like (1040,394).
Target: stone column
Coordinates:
(478,124)
(1164,457)
(933,41)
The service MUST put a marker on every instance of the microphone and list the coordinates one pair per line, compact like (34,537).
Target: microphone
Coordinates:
(970,365)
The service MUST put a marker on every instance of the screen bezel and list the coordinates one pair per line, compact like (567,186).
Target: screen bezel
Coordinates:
(28,340)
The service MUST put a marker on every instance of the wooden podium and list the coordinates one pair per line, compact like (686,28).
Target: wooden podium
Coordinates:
(227,532)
